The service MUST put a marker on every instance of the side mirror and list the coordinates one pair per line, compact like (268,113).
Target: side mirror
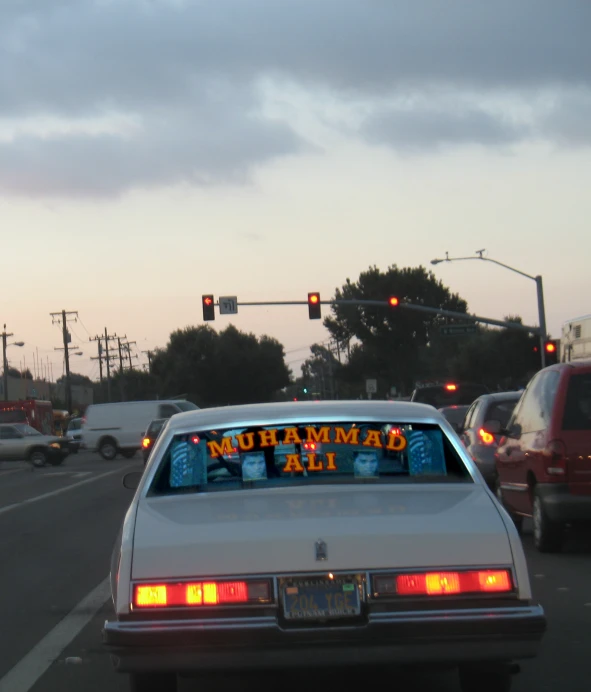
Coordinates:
(132,480)
(492,426)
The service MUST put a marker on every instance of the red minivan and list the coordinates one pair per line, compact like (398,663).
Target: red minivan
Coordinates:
(543,462)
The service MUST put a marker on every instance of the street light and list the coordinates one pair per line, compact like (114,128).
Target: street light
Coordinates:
(5,361)
(539,287)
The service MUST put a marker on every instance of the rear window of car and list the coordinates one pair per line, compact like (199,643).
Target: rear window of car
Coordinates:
(307,454)
(441,396)
(155,427)
(501,411)
(577,409)
(186,405)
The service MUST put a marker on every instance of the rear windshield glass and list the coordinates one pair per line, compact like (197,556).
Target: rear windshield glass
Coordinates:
(307,454)
(156,426)
(501,411)
(186,405)
(577,410)
(440,396)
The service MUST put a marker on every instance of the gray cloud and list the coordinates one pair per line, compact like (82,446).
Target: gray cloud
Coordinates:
(190,69)
(423,129)
(203,145)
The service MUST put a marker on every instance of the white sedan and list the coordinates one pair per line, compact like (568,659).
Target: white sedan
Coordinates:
(245,549)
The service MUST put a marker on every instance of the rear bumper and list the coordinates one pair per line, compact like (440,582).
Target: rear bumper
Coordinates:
(561,505)
(426,637)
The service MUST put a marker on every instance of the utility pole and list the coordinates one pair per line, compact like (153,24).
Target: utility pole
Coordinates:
(107,337)
(149,354)
(127,346)
(55,316)
(121,383)
(5,362)
(99,357)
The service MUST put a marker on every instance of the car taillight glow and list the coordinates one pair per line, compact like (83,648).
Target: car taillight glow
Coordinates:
(147,595)
(444,583)
(555,458)
(451,387)
(486,437)
(309,446)
(209,593)
(146,442)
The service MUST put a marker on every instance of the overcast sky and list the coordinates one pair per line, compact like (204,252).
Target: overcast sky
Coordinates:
(152,151)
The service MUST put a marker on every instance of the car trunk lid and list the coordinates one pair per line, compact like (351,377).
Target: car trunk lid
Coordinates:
(276,531)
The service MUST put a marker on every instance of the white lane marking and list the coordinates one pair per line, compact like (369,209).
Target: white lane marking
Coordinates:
(30,500)
(29,669)
(563,588)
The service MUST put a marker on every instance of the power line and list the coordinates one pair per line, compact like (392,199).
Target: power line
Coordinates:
(83,325)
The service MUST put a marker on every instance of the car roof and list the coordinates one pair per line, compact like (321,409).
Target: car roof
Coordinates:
(578,364)
(500,396)
(302,411)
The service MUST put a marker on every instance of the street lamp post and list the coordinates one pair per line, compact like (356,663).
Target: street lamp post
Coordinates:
(5,345)
(539,288)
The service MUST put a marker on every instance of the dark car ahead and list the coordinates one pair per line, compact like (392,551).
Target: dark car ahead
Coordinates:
(480,430)
(154,429)
(455,414)
(446,394)
(74,434)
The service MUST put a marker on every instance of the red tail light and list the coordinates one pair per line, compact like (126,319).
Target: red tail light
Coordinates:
(146,442)
(486,437)
(444,583)
(309,446)
(555,458)
(451,387)
(179,594)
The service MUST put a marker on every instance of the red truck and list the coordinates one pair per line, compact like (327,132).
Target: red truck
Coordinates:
(35,412)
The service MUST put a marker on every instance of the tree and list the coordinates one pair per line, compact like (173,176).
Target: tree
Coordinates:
(395,345)
(320,372)
(213,369)
(130,385)
(76,379)
(499,358)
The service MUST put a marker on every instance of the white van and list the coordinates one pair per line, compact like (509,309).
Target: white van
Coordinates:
(112,428)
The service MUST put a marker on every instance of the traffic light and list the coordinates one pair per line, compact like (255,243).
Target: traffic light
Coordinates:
(314,310)
(208,308)
(393,301)
(551,351)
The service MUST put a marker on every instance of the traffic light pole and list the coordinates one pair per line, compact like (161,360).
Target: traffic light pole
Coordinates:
(542,318)
(410,306)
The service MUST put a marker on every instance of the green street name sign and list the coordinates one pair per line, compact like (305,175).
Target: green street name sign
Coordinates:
(456,329)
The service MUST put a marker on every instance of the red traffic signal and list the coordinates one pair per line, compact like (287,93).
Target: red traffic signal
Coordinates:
(551,352)
(207,303)
(314,309)
(393,301)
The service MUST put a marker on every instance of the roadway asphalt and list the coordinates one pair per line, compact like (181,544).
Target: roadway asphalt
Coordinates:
(57,528)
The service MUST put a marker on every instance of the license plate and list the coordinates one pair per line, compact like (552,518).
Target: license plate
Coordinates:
(321,599)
